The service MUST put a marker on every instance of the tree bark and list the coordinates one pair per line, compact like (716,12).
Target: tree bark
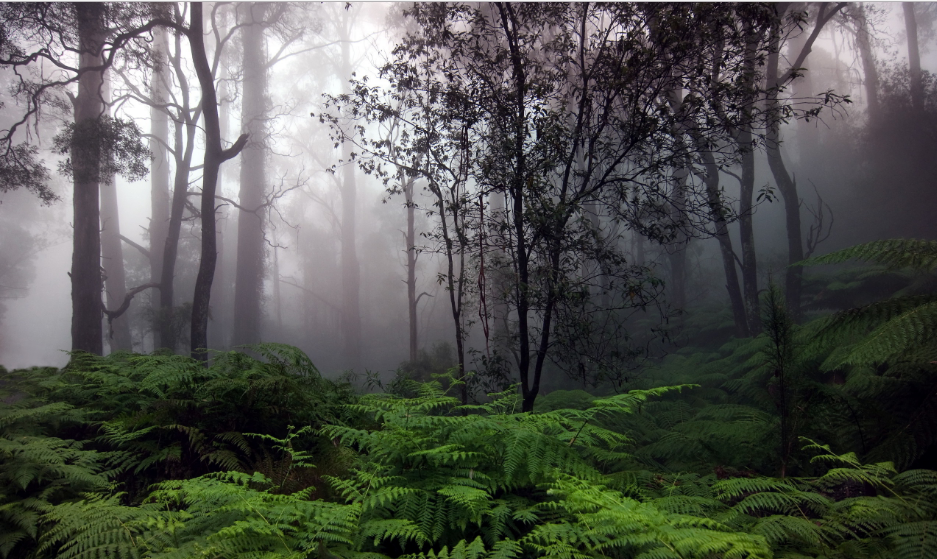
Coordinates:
(676,251)
(351,312)
(914,58)
(786,185)
(747,232)
(249,273)
(183,147)
(864,42)
(215,155)
(717,209)
(112,252)
(85,273)
(410,241)
(159,170)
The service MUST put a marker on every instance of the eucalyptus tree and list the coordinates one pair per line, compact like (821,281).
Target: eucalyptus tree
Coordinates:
(170,98)
(776,81)
(558,109)
(78,42)
(257,19)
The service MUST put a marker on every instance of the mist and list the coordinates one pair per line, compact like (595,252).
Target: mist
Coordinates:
(320,189)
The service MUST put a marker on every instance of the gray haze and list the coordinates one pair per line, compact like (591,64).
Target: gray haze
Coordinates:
(303,279)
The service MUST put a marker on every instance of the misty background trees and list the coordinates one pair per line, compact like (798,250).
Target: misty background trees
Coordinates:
(543,194)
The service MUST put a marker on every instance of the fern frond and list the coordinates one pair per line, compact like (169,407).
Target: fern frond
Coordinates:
(893,253)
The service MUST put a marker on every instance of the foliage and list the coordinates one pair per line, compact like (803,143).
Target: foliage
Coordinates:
(885,353)
(117,142)
(223,459)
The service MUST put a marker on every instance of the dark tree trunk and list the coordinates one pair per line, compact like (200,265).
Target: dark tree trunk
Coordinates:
(676,251)
(215,155)
(747,234)
(86,255)
(530,385)
(914,58)
(159,169)
(717,209)
(249,274)
(786,185)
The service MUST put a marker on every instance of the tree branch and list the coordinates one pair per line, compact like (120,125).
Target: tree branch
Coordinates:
(140,248)
(111,315)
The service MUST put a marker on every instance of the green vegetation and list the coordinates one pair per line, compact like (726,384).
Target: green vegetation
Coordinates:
(713,455)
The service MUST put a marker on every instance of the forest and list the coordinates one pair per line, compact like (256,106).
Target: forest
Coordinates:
(350,280)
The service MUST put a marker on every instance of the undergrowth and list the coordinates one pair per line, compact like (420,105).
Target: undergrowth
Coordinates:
(713,456)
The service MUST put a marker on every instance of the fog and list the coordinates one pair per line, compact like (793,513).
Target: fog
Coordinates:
(872,182)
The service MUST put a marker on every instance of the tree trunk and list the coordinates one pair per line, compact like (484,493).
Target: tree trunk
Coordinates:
(215,155)
(351,313)
(183,147)
(498,277)
(277,302)
(222,290)
(747,233)
(864,42)
(112,252)
(159,169)
(744,141)
(786,185)
(914,58)
(718,212)
(410,241)
(676,250)
(249,274)
(86,255)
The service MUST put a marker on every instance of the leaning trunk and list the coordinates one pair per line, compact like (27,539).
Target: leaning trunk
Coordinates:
(214,157)
(86,254)
(786,185)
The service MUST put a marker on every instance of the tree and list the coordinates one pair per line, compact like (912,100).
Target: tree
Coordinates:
(159,172)
(89,107)
(94,35)
(532,103)
(786,184)
(112,255)
(914,57)
(215,155)
(248,289)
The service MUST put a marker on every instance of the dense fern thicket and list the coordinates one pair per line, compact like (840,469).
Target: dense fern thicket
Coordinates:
(712,453)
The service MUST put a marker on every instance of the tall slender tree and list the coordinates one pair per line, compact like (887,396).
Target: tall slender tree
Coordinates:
(112,253)
(89,108)
(248,289)
(788,188)
(159,172)
(215,156)
(914,58)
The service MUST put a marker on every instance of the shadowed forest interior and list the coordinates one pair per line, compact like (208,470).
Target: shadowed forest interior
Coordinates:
(480,280)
